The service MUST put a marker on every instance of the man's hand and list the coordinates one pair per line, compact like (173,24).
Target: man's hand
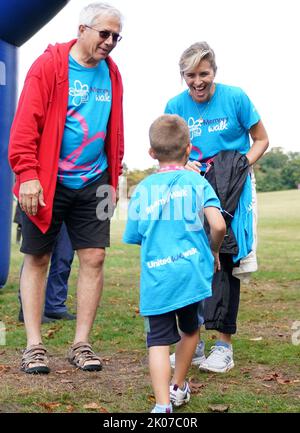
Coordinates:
(30,196)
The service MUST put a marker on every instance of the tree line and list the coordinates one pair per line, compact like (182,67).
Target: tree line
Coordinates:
(275,171)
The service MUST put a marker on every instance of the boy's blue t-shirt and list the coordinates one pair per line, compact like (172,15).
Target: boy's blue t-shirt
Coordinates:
(165,217)
(82,156)
(227,118)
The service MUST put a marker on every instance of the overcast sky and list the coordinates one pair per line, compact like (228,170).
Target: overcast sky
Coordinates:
(256,46)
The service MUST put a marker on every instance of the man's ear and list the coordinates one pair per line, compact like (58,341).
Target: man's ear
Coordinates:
(81,29)
(152,153)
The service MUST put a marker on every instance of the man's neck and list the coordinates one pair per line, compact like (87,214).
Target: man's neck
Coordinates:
(80,58)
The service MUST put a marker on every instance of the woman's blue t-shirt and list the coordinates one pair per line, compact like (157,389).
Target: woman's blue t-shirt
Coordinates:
(223,123)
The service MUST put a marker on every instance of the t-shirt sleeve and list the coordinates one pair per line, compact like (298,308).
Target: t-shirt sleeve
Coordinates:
(131,234)
(170,108)
(247,112)
(210,197)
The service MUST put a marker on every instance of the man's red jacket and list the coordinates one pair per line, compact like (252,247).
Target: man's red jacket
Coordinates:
(38,126)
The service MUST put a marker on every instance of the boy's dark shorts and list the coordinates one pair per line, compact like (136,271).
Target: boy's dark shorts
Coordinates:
(162,329)
(77,208)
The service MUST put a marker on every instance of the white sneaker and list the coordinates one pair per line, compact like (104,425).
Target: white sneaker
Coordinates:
(198,357)
(178,396)
(154,410)
(220,360)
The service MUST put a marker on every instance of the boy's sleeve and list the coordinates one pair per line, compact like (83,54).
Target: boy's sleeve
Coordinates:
(131,234)
(210,197)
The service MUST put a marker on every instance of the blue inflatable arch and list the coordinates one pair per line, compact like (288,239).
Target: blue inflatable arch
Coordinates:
(19,20)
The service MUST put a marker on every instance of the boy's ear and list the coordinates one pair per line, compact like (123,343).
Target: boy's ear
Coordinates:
(152,153)
(188,149)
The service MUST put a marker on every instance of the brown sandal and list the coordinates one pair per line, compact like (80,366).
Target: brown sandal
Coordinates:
(35,360)
(83,357)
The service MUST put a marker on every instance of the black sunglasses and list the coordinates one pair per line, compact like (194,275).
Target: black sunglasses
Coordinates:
(105,34)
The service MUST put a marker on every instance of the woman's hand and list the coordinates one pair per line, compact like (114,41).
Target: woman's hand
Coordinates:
(193,166)
(260,142)
(217,264)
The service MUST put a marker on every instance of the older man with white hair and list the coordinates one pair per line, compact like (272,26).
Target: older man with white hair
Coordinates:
(66,142)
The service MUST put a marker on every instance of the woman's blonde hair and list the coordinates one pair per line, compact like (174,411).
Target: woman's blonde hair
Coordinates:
(193,55)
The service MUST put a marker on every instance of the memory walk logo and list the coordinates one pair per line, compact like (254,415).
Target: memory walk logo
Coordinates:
(2,74)
(173,195)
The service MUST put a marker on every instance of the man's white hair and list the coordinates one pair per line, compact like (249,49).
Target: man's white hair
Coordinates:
(94,10)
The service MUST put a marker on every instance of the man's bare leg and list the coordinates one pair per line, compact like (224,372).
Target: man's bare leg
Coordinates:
(32,288)
(89,290)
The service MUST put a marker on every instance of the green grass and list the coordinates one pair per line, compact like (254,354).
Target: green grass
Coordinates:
(279,235)
(266,377)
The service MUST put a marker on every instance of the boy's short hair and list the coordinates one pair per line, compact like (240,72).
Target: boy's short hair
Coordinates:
(169,136)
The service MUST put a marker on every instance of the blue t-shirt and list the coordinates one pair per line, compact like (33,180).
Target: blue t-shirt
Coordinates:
(242,222)
(165,217)
(82,156)
(227,118)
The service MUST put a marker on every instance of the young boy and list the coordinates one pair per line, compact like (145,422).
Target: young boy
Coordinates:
(177,262)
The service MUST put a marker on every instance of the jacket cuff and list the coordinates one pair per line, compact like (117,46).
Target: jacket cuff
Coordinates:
(28,175)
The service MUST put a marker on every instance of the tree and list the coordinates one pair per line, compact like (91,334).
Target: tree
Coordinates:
(277,170)
(291,173)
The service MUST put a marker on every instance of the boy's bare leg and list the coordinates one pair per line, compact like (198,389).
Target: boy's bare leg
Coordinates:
(160,372)
(32,288)
(185,350)
(225,338)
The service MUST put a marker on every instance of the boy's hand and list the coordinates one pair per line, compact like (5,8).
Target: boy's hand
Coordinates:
(193,166)
(217,264)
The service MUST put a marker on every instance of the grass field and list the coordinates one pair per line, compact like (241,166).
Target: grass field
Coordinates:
(266,377)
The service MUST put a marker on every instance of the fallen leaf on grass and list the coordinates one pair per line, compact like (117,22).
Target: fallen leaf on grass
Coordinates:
(151,398)
(66,381)
(70,408)
(195,386)
(279,379)
(282,381)
(50,333)
(266,386)
(4,368)
(218,407)
(49,406)
(95,406)
(271,376)
(256,339)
